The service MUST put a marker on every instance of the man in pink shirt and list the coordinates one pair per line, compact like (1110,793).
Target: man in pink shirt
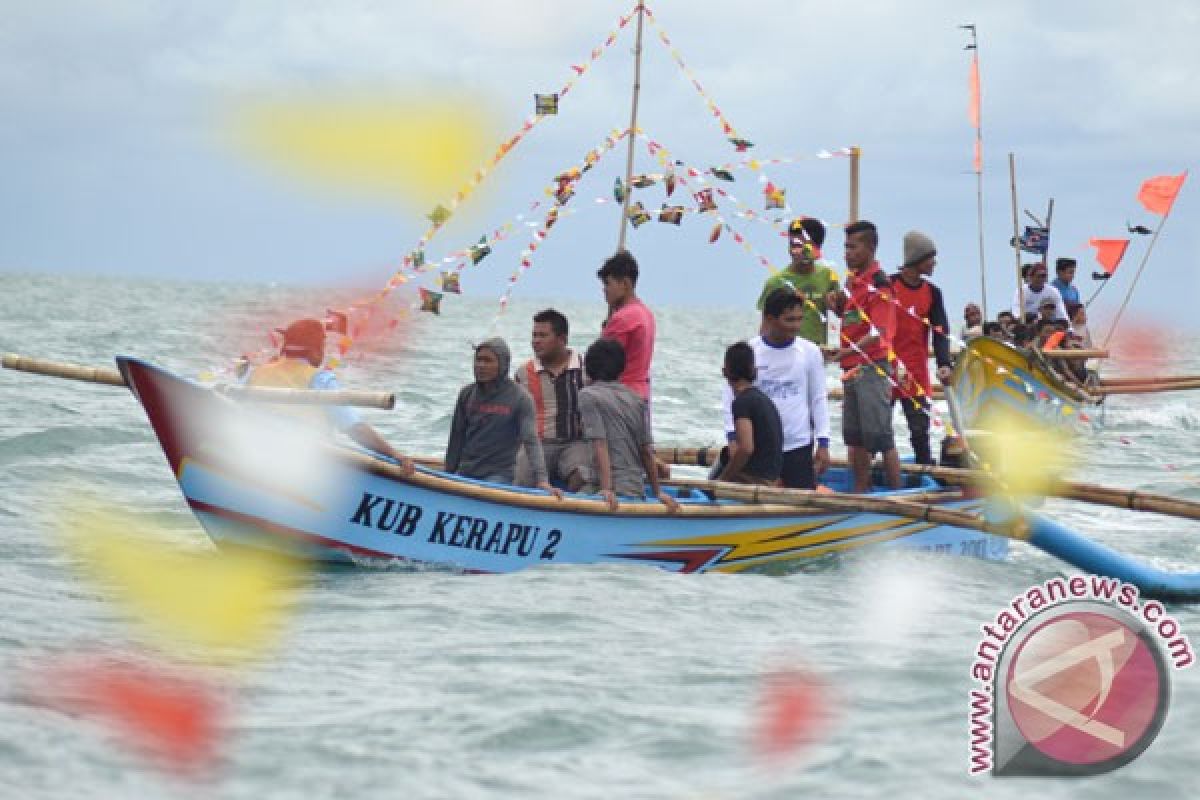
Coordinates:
(630,322)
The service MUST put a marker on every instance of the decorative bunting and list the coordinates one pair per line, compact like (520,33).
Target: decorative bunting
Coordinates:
(704,201)
(669,183)
(721,173)
(618,190)
(642,181)
(417,258)
(716,232)
(430,301)
(451,283)
(671,214)
(741,145)
(545,104)
(438,216)
(638,215)
(775,196)
(480,251)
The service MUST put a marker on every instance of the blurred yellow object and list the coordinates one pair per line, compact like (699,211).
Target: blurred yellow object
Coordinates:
(214,601)
(422,149)
(1026,456)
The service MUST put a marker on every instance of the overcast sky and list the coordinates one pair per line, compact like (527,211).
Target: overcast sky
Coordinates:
(117,155)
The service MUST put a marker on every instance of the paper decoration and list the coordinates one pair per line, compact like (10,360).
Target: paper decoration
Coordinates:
(431,301)
(721,173)
(544,104)
(704,201)
(669,183)
(716,232)
(638,215)
(741,145)
(671,214)
(642,181)
(451,282)
(551,218)
(618,190)
(478,252)
(438,216)
(417,258)
(774,196)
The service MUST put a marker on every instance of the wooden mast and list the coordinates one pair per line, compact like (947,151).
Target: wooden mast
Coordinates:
(855,157)
(637,88)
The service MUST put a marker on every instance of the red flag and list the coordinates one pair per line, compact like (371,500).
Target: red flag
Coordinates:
(1109,252)
(1157,195)
(977,163)
(973,111)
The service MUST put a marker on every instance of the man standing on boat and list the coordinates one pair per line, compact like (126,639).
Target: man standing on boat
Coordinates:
(809,275)
(1035,291)
(919,312)
(553,378)
(1064,276)
(868,324)
(492,417)
(298,366)
(790,371)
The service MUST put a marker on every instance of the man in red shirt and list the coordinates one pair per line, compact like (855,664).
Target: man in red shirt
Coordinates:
(919,312)
(868,324)
(629,321)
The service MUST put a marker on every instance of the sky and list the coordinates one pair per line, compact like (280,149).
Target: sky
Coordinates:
(120,151)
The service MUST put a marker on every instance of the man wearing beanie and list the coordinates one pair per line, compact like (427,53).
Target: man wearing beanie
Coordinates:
(919,313)
(809,275)
(868,323)
(298,366)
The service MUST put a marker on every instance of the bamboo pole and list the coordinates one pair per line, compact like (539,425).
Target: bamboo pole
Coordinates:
(263,394)
(633,113)
(1141,266)
(1129,500)
(1012,183)
(1146,380)
(855,157)
(1146,388)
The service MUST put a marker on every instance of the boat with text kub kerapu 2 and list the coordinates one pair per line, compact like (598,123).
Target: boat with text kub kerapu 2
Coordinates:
(255,478)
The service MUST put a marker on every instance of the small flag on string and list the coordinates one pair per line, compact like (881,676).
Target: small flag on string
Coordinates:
(439,215)
(545,104)
(417,257)
(671,214)
(1109,253)
(775,196)
(618,190)
(716,232)
(564,193)
(669,183)
(1157,195)
(431,301)
(721,174)
(742,145)
(451,282)
(480,251)
(704,201)
(551,218)
(638,215)
(642,181)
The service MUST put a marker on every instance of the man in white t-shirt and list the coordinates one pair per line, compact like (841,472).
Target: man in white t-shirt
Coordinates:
(791,371)
(1036,291)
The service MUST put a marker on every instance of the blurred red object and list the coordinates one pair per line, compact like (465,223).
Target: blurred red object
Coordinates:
(793,712)
(159,711)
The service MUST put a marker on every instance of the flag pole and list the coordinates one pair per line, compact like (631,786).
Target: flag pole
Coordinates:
(1012,183)
(977,113)
(855,156)
(637,88)
(1132,286)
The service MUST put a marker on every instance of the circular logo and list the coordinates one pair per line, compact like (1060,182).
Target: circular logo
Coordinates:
(1088,690)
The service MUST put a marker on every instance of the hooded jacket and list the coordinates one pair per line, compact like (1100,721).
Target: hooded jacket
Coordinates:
(490,421)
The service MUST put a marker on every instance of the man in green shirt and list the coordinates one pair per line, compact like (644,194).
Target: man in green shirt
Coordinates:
(808,274)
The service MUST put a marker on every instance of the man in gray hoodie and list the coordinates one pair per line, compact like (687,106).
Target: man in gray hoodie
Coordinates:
(492,417)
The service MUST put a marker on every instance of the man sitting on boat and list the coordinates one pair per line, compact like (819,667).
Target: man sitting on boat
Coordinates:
(614,421)
(553,378)
(756,451)
(299,367)
(492,417)
(1064,276)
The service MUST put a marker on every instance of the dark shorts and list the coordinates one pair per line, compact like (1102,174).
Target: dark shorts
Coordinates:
(798,468)
(867,409)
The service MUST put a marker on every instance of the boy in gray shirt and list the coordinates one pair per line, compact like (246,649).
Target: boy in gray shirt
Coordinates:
(614,421)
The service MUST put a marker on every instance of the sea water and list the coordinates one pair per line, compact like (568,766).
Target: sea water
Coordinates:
(563,682)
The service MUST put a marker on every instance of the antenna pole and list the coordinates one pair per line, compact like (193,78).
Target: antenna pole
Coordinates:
(637,89)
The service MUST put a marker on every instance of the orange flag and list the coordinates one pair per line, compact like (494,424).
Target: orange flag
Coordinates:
(1157,195)
(1109,252)
(973,111)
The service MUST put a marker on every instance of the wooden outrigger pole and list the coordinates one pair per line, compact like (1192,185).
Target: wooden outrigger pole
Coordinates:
(637,89)
(1012,183)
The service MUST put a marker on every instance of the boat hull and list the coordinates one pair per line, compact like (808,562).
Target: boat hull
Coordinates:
(255,480)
